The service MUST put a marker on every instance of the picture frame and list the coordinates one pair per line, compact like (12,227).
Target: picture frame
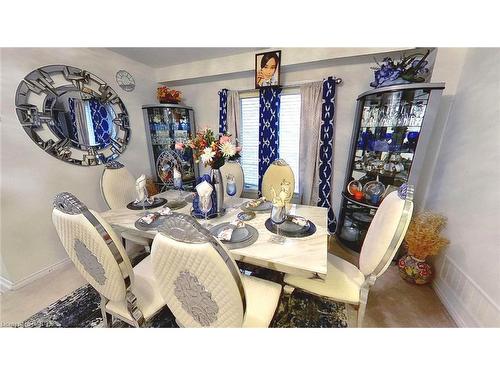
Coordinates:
(268,69)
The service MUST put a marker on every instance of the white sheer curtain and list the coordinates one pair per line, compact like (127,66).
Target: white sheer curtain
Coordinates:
(310,122)
(234,114)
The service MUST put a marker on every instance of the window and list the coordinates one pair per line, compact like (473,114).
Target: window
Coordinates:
(289,136)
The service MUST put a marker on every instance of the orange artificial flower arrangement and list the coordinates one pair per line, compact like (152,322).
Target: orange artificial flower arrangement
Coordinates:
(166,95)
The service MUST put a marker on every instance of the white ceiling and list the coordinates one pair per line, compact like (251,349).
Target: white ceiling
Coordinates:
(167,56)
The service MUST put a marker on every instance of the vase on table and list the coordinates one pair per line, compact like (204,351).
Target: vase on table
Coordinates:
(414,270)
(216,180)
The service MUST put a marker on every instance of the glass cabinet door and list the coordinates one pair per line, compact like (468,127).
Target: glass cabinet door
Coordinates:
(181,132)
(387,132)
(167,126)
(388,137)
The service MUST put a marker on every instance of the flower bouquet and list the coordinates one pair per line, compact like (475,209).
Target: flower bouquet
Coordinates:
(212,152)
(166,95)
(410,69)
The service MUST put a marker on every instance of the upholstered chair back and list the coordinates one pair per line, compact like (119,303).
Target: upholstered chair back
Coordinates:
(198,279)
(233,168)
(386,232)
(278,172)
(117,185)
(93,247)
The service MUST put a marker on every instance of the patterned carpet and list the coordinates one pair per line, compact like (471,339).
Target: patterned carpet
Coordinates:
(81,309)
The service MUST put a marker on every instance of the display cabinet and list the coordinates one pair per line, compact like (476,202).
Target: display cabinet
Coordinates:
(392,128)
(167,124)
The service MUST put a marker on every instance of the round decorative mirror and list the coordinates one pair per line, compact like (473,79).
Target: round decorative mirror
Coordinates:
(73,115)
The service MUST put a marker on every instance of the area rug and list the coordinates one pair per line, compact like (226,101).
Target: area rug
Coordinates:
(81,309)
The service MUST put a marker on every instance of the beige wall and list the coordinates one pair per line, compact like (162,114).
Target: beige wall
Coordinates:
(464,186)
(354,71)
(31,177)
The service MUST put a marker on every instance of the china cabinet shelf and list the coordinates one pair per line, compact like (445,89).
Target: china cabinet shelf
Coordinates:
(402,115)
(359,203)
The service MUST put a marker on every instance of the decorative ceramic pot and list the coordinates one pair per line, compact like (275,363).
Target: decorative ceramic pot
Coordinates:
(415,271)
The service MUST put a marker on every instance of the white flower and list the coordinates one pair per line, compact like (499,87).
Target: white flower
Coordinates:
(228,149)
(207,155)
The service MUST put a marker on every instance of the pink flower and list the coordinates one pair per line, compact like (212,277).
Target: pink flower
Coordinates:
(179,146)
(239,148)
(224,139)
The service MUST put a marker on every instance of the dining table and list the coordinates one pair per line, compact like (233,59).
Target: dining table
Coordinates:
(304,256)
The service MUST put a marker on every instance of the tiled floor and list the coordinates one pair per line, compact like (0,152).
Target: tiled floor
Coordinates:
(392,302)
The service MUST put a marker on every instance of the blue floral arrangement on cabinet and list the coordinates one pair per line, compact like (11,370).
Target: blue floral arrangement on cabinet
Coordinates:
(410,69)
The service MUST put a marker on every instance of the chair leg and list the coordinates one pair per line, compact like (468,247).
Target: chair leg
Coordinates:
(288,289)
(361,314)
(107,318)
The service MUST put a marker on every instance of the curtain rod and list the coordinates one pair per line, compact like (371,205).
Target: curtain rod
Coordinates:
(338,81)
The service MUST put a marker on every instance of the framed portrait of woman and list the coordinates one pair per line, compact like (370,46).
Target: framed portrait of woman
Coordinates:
(267,69)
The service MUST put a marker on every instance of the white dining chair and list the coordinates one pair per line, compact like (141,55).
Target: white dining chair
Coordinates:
(118,190)
(278,172)
(129,294)
(233,168)
(201,283)
(349,284)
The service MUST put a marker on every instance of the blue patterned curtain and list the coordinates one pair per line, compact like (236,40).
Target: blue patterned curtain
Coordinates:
(269,119)
(223,111)
(326,150)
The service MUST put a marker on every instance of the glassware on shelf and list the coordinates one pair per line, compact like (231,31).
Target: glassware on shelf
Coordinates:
(350,231)
(417,113)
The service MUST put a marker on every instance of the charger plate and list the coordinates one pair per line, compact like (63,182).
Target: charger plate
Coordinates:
(290,229)
(263,207)
(238,235)
(254,235)
(157,202)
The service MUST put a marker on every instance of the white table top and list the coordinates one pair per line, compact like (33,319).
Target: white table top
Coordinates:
(305,256)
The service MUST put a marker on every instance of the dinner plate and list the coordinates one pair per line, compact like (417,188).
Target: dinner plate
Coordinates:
(238,235)
(263,207)
(157,202)
(290,229)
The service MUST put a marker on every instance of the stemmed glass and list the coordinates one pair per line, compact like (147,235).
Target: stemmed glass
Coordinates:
(205,207)
(278,217)
(178,182)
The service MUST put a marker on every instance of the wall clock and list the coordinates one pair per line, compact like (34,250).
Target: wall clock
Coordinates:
(125,80)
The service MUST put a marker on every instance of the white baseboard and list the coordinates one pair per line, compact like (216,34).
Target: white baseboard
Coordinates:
(459,314)
(467,303)
(7,285)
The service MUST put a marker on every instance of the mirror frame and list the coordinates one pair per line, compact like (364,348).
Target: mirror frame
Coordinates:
(38,122)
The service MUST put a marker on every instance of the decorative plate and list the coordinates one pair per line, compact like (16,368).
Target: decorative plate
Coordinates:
(165,164)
